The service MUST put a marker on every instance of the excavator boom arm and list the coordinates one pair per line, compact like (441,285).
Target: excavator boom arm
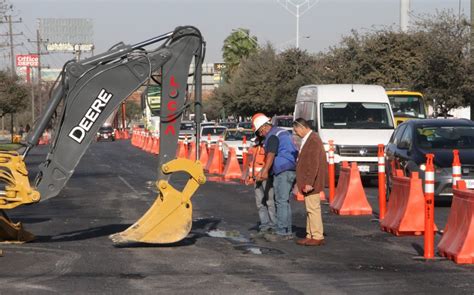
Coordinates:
(92,90)
(88,92)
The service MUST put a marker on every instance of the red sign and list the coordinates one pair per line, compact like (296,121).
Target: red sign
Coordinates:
(27,60)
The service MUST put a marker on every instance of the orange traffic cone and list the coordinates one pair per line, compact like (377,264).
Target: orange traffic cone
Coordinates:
(192,151)
(117,134)
(181,153)
(138,139)
(125,134)
(155,149)
(350,198)
(214,164)
(145,141)
(247,173)
(134,138)
(149,143)
(406,206)
(457,243)
(232,168)
(203,157)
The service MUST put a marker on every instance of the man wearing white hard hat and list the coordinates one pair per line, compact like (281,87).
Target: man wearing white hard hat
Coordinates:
(280,161)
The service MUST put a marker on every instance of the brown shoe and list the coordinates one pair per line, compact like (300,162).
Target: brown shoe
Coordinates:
(302,242)
(314,242)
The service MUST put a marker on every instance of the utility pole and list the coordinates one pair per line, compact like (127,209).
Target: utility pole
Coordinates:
(39,42)
(301,6)
(8,19)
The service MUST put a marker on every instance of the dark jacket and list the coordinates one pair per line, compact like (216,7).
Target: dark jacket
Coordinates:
(312,168)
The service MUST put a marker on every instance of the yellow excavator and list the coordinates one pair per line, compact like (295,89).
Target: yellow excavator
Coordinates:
(85,94)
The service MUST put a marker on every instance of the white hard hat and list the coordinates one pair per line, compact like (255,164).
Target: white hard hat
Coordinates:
(258,120)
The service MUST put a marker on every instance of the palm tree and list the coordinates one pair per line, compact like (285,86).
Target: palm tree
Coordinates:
(238,45)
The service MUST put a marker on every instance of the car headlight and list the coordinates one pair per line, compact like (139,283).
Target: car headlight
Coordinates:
(422,167)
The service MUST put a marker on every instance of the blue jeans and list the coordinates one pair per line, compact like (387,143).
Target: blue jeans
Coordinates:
(283,186)
(265,200)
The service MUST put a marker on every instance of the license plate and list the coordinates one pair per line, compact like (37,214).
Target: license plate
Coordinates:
(364,168)
(106,136)
(469,183)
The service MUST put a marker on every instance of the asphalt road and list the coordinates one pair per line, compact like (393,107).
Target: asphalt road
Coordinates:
(113,187)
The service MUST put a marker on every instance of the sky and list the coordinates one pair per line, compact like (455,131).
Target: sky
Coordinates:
(133,21)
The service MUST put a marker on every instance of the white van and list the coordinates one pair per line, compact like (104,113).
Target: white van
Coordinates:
(356,117)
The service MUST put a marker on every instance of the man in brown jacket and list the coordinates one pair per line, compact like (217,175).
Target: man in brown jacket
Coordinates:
(311,171)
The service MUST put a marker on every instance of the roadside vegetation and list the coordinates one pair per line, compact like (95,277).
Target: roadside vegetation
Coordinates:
(432,58)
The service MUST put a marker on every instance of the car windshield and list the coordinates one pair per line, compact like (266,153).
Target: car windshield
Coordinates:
(213,131)
(409,106)
(355,115)
(445,137)
(106,129)
(187,126)
(233,135)
(284,122)
(245,125)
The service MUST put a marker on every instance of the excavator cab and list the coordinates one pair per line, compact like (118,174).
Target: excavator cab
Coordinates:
(85,95)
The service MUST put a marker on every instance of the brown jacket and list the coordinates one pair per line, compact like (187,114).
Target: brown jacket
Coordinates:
(311,167)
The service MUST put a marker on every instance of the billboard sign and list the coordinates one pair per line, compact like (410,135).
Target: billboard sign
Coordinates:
(67,34)
(27,60)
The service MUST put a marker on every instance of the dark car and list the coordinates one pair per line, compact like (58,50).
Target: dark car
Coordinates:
(105,133)
(413,139)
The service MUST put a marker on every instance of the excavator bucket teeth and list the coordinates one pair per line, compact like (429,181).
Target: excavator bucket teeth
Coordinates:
(169,219)
(13,232)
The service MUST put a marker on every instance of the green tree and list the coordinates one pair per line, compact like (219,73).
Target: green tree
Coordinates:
(253,85)
(237,46)
(13,95)
(294,68)
(133,111)
(446,74)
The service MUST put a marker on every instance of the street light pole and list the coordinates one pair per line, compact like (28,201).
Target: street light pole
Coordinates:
(297,26)
(306,4)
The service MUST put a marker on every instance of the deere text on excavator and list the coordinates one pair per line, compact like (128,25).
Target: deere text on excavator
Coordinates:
(87,92)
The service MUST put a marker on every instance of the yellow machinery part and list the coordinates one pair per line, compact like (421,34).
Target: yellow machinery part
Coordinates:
(169,219)
(13,232)
(14,175)
(17,191)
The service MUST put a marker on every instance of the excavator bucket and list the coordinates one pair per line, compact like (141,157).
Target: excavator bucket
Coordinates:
(169,219)
(16,191)
(13,232)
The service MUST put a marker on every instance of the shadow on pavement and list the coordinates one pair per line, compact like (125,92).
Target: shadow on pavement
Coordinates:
(199,230)
(84,234)
(418,248)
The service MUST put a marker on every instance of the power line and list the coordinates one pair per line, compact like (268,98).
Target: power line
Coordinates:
(11,44)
